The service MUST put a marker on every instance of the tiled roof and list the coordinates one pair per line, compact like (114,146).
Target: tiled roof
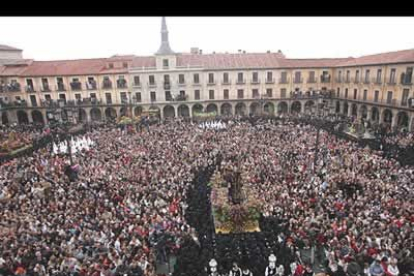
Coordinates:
(384,58)
(8,48)
(312,63)
(65,67)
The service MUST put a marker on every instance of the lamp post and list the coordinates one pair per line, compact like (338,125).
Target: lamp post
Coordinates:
(318,126)
(130,103)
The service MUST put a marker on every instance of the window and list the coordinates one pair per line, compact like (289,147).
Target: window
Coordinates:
(297,77)
(181,79)
(196,94)
(62,97)
(255,77)
(151,80)
(111,65)
(269,77)
(124,98)
(153,96)
(347,75)
(196,78)
(312,77)
(138,97)
(29,83)
(136,80)
(408,75)
(226,94)
(376,96)
(338,92)
(367,76)
(211,94)
(357,76)
(45,83)
(392,76)
(240,77)
(355,94)
(346,93)
(211,78)
(269,92)
(365,95)
(379,72)
(339,76)
(182,93)
(283,93)
(165,63)
(108,97)
(284,77)
(240,94)
(48,97)
(225,77)
(404,99)
(125,64)
(389,97)
(168,96)
(255,93)
(33,100)
(78,97)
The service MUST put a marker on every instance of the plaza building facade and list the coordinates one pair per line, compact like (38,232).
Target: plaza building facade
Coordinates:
(376,87)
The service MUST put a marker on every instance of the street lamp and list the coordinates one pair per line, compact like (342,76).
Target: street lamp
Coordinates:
(130,103)
(318,125)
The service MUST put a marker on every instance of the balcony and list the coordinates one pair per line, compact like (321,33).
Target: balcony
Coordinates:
(255,81)
(391,83)
(226,82)
(196,83)
(181,83)
(356,81)
(137,84)
(406,79)
(180,98)
(45,88)
(29,89)
(107,84)
(347,80)
(376,81)
(121,84)
(283,81)
(152,84)
(241,82)
(167,85)
(11,87)
(366,81)
(298,80)
(312,80)
(270,81)
(338,80)
(211,83)
(325,79)
(76,86)
(60,87)
(91,85)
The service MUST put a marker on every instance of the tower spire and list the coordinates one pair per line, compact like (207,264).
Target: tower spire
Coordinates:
(165,48)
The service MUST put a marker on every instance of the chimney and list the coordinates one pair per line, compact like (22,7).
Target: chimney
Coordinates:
(268,51)
(201,52)
(244,52)
(194,50)
(239,51)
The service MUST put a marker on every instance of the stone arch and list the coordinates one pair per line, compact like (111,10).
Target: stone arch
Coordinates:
(363,110)
(226,109)
(269,108)
(387,116)
(197,108)
(110,113)
(240,109)
(309,106)
(4,118)
(354,110)
(338,107)
(374,114)
(255,109)
(402,119)
(22,117)
(296,107)
(183,111)
(155,110)
(96,114)
(169,111)
(37,117)
(212,108)
(123,111)
(83,117)
(138,111)
(346,107)
(282,108)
